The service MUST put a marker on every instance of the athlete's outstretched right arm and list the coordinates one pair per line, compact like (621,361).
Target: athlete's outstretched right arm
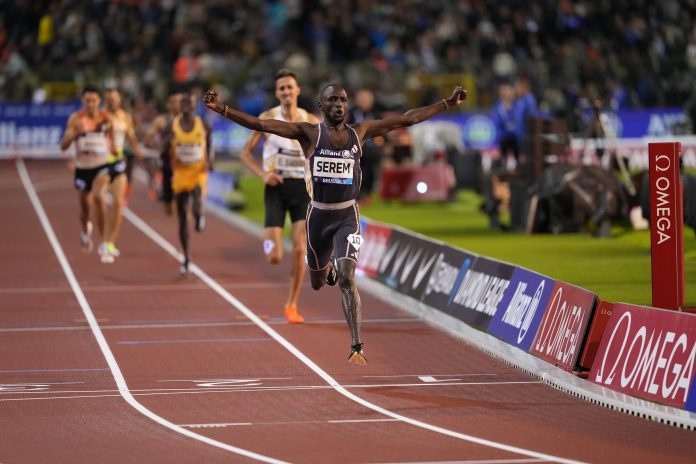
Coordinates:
(290,130)
(247,158)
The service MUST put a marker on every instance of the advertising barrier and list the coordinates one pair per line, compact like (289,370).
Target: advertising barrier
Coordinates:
(691,400)
(520,311)
(407,263)
(476,299)
(33,130)
(449,271)
(600,319)
(376,238)
(564,326)
(648,353)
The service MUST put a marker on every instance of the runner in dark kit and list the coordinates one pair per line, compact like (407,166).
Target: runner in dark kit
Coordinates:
(333,149)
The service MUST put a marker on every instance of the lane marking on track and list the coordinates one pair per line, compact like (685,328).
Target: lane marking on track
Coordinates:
(200,391)
(19,371)
(99,336)
(235,386)
(477,461)
(183,340)
(337,421)
(144,288)
(220,290)
(174,325)
(419,375)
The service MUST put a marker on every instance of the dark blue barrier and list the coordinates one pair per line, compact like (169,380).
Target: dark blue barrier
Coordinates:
(522,308)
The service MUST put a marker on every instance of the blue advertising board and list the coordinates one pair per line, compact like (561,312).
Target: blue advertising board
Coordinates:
(520,311)
(33,130)
(691,400)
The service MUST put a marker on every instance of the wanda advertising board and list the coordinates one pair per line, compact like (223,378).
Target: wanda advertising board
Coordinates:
(563,328)
(520,311)
(475,299)
(648,353)
(407,262)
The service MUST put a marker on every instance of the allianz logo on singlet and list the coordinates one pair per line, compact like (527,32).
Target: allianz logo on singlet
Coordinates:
(336,153)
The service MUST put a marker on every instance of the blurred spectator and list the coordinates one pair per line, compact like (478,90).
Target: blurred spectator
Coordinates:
(371,159)
(571,49)
(507,118)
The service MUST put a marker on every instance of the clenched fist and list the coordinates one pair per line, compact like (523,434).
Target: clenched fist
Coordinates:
(211,99)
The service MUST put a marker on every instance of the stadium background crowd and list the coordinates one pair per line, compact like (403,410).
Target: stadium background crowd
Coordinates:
(630,53)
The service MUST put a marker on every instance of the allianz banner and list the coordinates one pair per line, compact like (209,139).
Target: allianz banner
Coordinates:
(407,262)
(33,130)
(447,275)
(520,311)
(649,353)
(475,299)
(564,325)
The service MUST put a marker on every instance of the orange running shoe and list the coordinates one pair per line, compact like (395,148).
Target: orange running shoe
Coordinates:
(292,315)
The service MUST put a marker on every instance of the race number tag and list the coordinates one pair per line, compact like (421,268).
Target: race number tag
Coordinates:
(290,166)
(333,170)
(355,240)
(188,153)
(93,144)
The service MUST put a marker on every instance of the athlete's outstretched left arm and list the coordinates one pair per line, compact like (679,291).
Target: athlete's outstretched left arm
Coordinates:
(370,129)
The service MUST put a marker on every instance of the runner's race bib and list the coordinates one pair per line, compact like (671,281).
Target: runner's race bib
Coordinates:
(333,170)
(92,144)
(290,166)
(187,153)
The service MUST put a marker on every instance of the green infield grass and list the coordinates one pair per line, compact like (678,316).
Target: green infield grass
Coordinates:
(616,268)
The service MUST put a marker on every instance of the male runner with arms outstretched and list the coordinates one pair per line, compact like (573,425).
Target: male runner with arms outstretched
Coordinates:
(333,149)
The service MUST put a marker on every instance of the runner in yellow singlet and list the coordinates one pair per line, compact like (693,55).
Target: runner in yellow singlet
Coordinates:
(188,137)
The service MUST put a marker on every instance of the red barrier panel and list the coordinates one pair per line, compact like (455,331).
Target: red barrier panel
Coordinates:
(649,353)
(564,326)
(375,240)
(666,226)
(600,319)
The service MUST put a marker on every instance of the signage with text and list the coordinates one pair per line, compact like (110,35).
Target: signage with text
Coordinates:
(666,226)
(564,325)
(407,263)
(649,353)
(449,271)
(522,308)
(476,299)
(376,238)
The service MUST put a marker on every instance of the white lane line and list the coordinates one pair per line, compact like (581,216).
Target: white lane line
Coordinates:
(220,290)
(220,425)
(478,461)
(174,325)
(218,386)
(142,288)
(360,421)
(426,375)
(103,345)
(234,424)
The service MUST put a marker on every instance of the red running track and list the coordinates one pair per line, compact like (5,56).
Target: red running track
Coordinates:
(131,362)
